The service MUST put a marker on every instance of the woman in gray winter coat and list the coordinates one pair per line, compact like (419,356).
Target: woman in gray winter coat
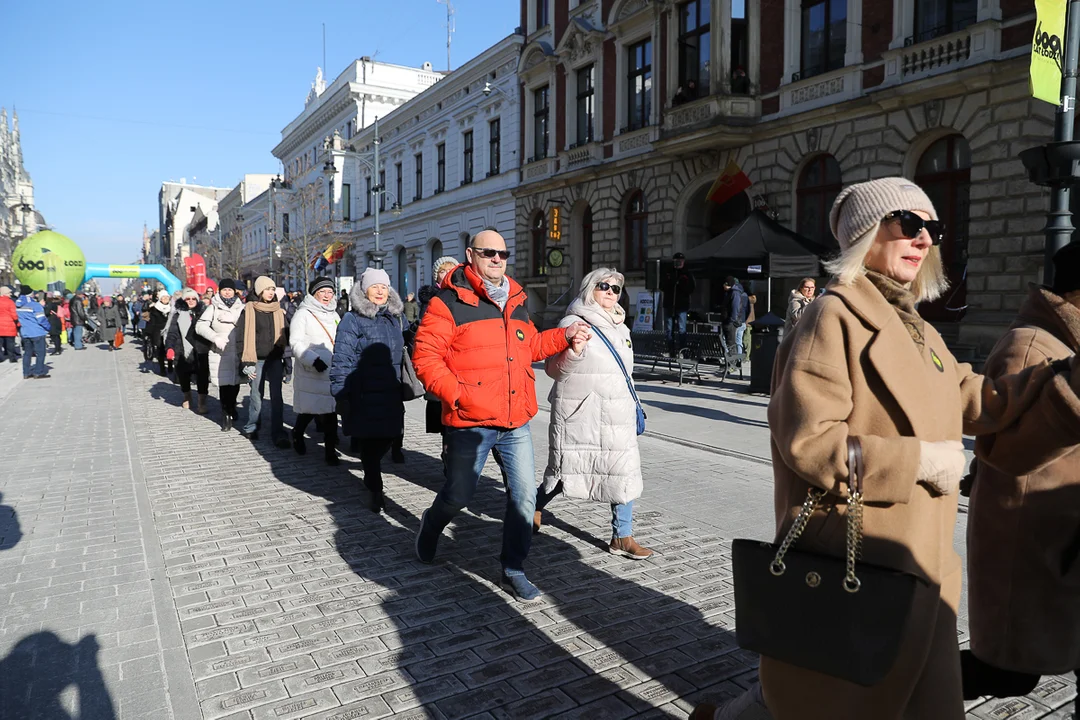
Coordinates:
(592,438)
(311,336)
(218,325)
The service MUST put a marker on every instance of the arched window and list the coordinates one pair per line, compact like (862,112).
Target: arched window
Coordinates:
(402,272)
(819,184)
(538,238)
(636,223)
(944,172)
(436,250)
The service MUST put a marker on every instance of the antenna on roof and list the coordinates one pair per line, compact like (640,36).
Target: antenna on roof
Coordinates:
(450,27)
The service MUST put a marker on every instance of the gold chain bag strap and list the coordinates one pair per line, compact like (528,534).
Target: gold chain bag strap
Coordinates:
(837,616)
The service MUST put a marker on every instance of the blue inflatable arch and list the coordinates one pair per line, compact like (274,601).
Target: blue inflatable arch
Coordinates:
(150,272)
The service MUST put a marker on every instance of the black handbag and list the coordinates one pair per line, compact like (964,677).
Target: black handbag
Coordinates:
(832,615)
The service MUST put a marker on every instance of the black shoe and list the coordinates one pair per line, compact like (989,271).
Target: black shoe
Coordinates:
(354,445)
(332,457)
(378,502)
(226,424)
(282,443)
(43,377)
(252,436)
(298,443)
(397,455)
(426,542)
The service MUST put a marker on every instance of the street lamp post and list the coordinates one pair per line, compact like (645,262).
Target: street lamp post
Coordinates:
(275,184)
(372,162)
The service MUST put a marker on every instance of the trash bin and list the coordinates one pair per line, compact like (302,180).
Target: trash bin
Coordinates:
(765,339)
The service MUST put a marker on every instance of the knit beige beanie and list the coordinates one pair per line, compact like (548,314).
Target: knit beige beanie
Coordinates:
(262,283)
(858,207)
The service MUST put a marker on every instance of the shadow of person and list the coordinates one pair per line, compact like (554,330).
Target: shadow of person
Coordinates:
(41,667)
(10,531)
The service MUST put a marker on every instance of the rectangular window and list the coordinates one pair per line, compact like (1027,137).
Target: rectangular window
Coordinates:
(639,85)
(346,202)
(585,109)
(694,49)
(398,195)
(367,204)
(541,13)
(934,18)
(285,224)
(494,147)
(540,123)
(467,157)
(824,36)
(382,190)
(418,180)
(440,167)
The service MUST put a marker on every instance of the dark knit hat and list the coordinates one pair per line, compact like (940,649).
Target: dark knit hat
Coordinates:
(320,283)
(26,290)
(1067,269)
(228,283)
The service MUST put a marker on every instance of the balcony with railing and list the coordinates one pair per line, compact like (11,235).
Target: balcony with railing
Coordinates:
(707,111)
(941,50)
(580,156)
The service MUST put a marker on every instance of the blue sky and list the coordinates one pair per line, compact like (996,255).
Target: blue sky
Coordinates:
(116,97)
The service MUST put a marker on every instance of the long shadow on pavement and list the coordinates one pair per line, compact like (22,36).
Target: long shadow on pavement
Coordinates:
(41,667)
(10,531)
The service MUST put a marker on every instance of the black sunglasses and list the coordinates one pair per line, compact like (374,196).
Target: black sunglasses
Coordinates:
(490,254)
(607,286)
(911,225)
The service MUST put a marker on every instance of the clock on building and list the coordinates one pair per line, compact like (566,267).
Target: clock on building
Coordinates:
(555,258)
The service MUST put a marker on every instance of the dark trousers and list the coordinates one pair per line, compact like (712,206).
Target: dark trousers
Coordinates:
(7,349)
(33,347)
(327,423)
(981,678)
(57,345)
(199,368)
(371,455)
(227,395)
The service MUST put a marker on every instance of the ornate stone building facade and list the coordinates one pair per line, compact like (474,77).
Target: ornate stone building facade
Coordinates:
(18,217)
(832,93)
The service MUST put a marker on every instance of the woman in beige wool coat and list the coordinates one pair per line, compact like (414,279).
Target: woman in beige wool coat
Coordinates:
(1024,517)
(592,437)
(862,364)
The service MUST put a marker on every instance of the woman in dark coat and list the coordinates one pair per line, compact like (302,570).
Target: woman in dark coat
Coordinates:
(365,375)
(154,342)
(190,351)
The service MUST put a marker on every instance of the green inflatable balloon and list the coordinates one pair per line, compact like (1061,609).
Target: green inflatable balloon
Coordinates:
(49,261)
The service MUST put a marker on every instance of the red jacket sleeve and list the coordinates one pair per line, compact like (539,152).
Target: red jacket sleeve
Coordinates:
(548,343)
(431,346)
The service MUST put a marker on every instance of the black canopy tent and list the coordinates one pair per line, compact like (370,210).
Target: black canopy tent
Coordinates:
(760,242)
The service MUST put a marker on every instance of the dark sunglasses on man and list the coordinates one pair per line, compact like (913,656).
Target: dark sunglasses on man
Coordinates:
(911,225)
(604,287)
(490,254)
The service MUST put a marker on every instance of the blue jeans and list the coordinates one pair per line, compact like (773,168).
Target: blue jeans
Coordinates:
(31,347)
(76,335)
(740,330)
(622,515)
(669,322)
(267,371)
(465,452)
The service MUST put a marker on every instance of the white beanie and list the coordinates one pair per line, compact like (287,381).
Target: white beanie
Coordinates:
(374,276)
(858,207)
(163,296)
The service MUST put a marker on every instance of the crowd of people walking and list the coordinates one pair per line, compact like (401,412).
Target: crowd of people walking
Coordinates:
(867,414)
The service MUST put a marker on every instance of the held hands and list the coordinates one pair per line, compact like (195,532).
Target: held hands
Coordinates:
(249,371)
(941,465)
(578,334)
(319,365)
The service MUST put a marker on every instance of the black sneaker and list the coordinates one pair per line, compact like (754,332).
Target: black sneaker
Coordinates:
(426,542)
(282,443)
(298,443)
(397,455)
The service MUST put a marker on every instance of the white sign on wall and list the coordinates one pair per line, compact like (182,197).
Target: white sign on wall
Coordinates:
(646,310)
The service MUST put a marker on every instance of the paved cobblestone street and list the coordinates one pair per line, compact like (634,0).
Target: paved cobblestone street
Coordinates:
(154,567)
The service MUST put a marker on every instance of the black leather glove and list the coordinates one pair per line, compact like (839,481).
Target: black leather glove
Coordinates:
(319,365)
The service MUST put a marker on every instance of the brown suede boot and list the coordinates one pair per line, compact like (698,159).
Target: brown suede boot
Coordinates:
(187,400)
(537,519)
(201,409)
(628,547)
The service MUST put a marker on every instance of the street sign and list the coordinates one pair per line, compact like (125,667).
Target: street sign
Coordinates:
(754,269)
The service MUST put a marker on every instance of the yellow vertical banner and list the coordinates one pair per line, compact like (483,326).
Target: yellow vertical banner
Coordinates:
(1048,50)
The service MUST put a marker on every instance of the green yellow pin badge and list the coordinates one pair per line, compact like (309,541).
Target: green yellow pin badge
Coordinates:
(937,361)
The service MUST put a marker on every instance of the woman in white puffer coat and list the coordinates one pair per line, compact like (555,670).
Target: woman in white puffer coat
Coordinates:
(218,325)
(311,337)
(592,438)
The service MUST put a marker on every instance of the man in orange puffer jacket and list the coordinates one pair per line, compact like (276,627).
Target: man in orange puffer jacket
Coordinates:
(474,351)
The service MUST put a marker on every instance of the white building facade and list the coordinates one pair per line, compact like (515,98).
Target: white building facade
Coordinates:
(364,91)
(241,259)
(449,157)
(18,218)
(178,205)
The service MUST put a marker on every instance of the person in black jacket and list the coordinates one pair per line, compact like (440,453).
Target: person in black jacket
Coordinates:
(78,318)
(677,286)
(56,325)
(190,351)
(262,336)
(154,342)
